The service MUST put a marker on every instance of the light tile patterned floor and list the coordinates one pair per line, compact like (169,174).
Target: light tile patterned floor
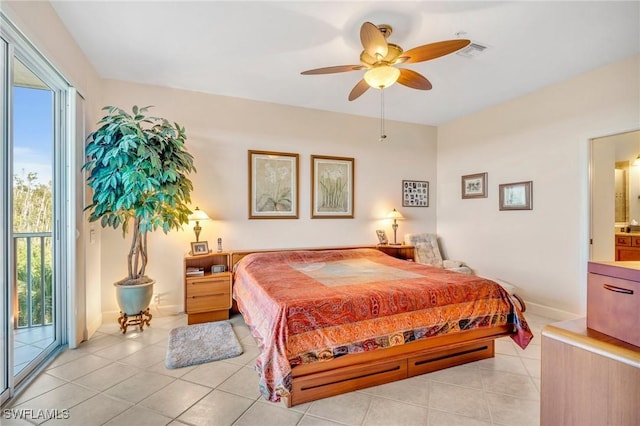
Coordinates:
(115,379)
(29,343)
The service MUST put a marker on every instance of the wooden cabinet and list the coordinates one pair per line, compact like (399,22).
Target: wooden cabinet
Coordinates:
(627,247)
(207,294)
(400,251)
(613,299)
(588,378)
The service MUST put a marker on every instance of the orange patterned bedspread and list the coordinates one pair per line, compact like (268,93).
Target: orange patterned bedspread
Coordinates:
(309,306)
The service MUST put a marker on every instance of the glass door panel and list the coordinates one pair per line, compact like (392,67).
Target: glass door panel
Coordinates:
(32,217)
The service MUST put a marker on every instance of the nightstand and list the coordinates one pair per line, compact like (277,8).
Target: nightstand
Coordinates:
(401,251)
(207,294)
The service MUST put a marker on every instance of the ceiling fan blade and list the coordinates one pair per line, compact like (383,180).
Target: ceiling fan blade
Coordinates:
(412,79)
(358,90)
(373,40)
(332,70)
(433,50)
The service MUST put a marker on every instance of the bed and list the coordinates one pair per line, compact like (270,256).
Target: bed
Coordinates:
(333,321)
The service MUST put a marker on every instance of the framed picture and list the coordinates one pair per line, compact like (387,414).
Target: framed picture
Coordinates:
(516,196)
(332,187)
(415,193)
(199,248)
(382,236)
(474,186)
(273,185)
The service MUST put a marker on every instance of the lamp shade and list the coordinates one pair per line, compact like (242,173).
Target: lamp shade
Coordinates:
(198,215)
(636,162)
(382,76)
(395,215)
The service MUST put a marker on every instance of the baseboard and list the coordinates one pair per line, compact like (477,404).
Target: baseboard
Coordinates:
(155,310)
(536,308)
(549,312)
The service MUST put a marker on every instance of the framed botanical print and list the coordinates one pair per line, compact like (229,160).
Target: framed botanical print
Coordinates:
(332,187)
(516,196)
(474,186)
(273,185)
(415,193)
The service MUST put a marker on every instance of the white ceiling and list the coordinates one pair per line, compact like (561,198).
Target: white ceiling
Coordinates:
(256,50)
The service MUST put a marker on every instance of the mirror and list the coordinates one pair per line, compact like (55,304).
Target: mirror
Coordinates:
(622,191)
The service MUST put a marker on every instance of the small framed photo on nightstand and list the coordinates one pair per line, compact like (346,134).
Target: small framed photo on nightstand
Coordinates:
(382,236)
(199,248)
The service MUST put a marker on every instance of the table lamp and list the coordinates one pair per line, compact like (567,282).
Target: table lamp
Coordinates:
(197,216)
(395,215)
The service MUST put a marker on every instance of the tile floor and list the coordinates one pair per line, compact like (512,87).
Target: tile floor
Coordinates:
(116,379)
(29,343)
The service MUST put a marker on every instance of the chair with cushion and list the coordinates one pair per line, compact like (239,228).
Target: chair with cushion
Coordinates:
(427,252)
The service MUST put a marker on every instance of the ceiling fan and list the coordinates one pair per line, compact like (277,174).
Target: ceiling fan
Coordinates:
(379,59)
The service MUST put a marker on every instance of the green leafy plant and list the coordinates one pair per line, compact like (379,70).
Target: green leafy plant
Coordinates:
(138,169)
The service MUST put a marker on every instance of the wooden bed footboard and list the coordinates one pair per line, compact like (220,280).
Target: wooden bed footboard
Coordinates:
(358,371)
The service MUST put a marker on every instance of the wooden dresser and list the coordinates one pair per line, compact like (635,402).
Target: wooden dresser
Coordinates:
(207,295)
(588,378)
(628,246)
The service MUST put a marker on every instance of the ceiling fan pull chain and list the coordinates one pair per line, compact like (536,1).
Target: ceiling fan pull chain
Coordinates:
(382,135)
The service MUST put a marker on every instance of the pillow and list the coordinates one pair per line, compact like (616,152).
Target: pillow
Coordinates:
(425,253)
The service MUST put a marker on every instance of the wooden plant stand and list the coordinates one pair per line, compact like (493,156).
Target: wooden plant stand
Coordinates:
(144,317)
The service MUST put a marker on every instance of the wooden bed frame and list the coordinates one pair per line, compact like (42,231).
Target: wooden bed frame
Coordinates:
(357,371)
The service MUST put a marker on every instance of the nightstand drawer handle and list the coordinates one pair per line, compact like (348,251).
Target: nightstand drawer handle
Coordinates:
(617,289)
(208,295)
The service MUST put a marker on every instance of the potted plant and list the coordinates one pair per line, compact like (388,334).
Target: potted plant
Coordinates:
(137,167)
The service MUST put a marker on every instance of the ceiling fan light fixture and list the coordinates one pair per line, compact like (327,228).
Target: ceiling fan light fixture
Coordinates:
(382,76)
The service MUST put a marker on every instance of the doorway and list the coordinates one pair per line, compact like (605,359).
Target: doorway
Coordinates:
(613,205)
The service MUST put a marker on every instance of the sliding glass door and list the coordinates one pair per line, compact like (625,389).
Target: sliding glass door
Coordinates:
(35,209)
(32,162)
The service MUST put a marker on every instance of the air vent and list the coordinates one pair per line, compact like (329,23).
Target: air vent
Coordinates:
(472,50)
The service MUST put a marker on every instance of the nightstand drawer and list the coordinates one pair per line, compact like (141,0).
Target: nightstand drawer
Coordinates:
(207,287)
(206,303)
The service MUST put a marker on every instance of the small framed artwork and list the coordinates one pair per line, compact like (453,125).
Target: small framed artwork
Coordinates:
(382,236)
(415,193)
(273,185)
(199,248)
(332,187)
(516,196)
(474,186)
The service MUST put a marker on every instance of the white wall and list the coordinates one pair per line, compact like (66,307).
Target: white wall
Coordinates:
(220,131)
(543,137)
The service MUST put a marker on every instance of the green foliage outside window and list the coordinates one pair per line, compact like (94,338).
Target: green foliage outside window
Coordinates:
(32,214)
